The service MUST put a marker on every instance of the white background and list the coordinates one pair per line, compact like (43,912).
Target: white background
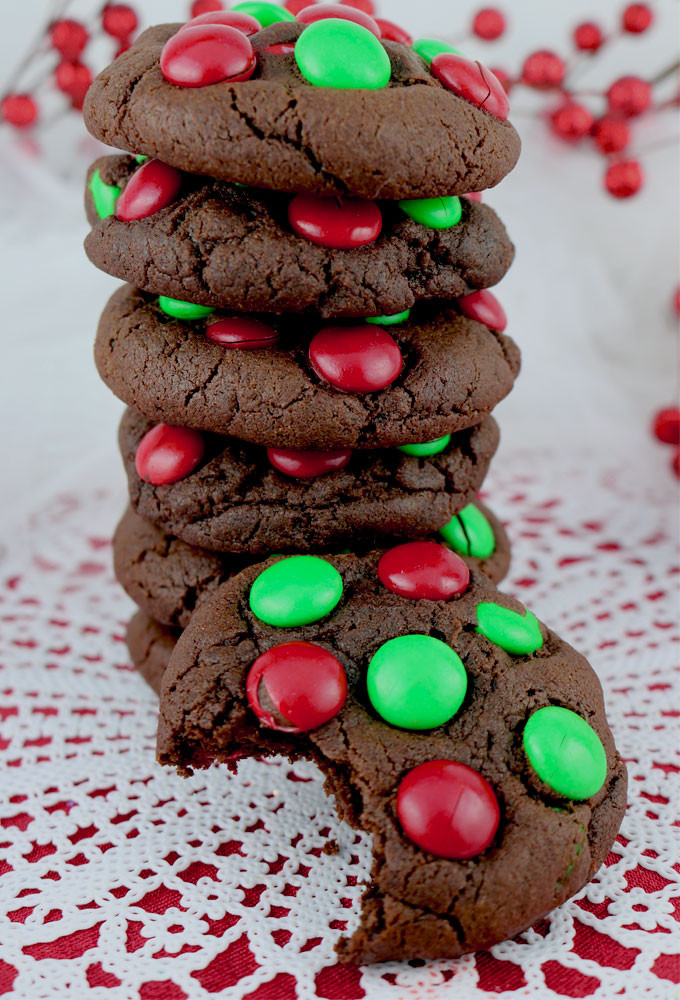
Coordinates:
(588,297)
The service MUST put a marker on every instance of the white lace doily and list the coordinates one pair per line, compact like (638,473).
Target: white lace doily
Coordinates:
(119,879)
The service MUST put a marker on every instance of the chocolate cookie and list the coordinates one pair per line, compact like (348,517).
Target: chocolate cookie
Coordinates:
(168,579)
(467,738)
(447,373)
(232,247)
(236,501)
(409,139)
(150,645)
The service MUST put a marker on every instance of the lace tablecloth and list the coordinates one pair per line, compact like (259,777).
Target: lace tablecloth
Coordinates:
(119,879)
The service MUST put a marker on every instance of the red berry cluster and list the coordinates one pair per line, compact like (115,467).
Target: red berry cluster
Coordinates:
(666,428)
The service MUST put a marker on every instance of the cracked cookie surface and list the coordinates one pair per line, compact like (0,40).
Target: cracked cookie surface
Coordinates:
(226,246)
(411,139)
(454,372)
(235,501)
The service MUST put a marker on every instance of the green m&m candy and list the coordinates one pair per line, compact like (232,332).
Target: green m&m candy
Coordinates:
(104,195)
(338,53)
(437,213)
(428,48)
(515,633)
(265,13)
(416,682)
(565,752)
(141,158)
(183,310)
(296,591)
(469,533)
(427,447)
(389,320)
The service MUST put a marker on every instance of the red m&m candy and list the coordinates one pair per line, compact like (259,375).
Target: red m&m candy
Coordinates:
(308,464)
(242,332)
(338,223)
(207,53)
(423,571)
(167,454)
(392,32)
(296,686)
(232,18)
(153,186)
(356,358)
(485,308)
(448,809)
(319,12)
(367,6)
(295,6)
(471,81)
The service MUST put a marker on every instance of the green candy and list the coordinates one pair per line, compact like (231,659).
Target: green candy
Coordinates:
(265,13)
(428,48)
(390,320)
(140,158)
(437,213)
(416,682)
(427,447)
(565,752)
(104,196)
(342,54)
(515,633)
(183,310)
(295,591)
(469,533)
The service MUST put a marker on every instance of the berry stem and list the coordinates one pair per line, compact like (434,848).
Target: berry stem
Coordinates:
(57,10)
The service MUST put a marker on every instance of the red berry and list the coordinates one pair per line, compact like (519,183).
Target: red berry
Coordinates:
(485,308)
(73,79)
(345,12)
(471,81)
(205,7)
(675,464)
(153,186)
(611,135)
(207,53)
(304,685)
(119,21)
(356,358)
(363,5)
(448,809)
(676,301)
(504,78)
(69,38)
(666,426)
(572,121)
(19,110)
(629,96)
(392,32)
(624,179)
(488,24)
(295,6)
(543,70)
(308,464)
(423,571)
(167,454)
(588,37)
(232,18)
(337,223)
(242,332)
(637,17)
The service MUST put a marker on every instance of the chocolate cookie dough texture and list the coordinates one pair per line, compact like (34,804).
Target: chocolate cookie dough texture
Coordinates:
(310,356)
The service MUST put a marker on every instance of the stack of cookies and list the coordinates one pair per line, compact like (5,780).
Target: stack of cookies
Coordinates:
(310,356)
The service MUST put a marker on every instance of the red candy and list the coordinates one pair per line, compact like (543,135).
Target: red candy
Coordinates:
(543,70)
(488,24)
(337,223)
(242,332)
(423,571)
(365,5)
(391,32)
(167,454)
(281,48)
(308,464)
(207,53)
(295,6)
(471,81)
(231,18)
(19,110)
(629,96)
(588,37)
(319,12)
(666,425)
(356,358)
(572,121)
(473,196)
(69,38)
(153,186)
(305,684)
(623,179)
(199,7)
(448,809)
(119,21)
(485,308)
(611,134)
(637,17)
